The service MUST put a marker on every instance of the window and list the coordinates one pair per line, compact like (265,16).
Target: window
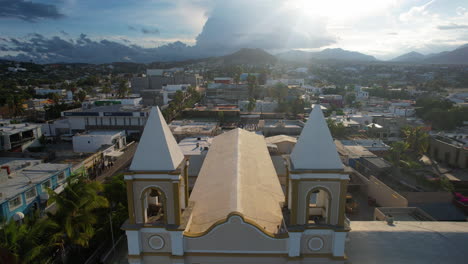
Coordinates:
(30,194)
(15,202)
(61,176)
(46,185)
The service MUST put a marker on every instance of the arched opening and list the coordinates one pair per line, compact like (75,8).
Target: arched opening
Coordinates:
(154,206)
(319,206)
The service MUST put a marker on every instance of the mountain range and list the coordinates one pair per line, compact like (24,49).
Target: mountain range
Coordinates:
(456,56)
(326,54)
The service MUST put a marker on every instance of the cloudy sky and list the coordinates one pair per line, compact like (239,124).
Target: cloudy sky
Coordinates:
(130,30)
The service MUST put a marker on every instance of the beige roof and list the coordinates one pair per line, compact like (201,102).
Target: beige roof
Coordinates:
(237,176)
(280,138)
(158,149)
(315,148)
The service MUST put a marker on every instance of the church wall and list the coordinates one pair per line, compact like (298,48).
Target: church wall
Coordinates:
(155,242)
(235,236)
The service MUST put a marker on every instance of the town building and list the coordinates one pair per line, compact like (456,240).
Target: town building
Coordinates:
(18,137)
(129,118)
(24,184)
(450,149)
(237,211)
(92,141)
(221,93)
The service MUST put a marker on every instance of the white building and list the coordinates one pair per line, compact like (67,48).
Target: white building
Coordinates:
(129,118)
(92,141)
(44,91)
(18,137)
(260,106)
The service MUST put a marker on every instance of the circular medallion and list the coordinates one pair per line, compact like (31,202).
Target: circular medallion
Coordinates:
(156,242)
(315,243)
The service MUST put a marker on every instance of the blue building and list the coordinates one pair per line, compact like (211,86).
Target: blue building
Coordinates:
(24,183)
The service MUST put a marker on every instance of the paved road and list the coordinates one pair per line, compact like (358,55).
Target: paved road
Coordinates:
(120,164)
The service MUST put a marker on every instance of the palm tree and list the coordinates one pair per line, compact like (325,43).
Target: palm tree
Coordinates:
(417,139)
(252,104)
(397,150)
(15,104)
(106,89)
(76,207)
(29,242)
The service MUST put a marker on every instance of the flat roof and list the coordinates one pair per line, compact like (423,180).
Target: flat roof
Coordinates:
(189,145)
(407,242)
(27,178)
(11,129)
(112,108)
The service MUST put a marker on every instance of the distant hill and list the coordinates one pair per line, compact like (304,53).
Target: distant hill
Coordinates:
(456,56)
(248,56)
(326,54)
(409,57)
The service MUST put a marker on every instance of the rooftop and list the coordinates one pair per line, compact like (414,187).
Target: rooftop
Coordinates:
(195,145)
(10,129)
(407,242)
(111,108)
(26,178)
(248,185)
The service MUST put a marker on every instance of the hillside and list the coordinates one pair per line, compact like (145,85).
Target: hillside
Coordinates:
(326,54)
(409,57)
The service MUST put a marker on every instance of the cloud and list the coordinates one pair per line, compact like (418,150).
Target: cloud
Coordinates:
(452,26)
(28,11)
(152,31)
(42,49)
(260,24)
(145,30)
(415,12)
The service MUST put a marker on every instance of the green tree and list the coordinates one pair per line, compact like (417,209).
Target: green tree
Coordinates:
(252,104)
(252,84)
(417,139)
(81,95)
(29,242)
(279,91)
(123,89)
(15,104)
(397,151)
(76,207)
(338,130)
(106,89)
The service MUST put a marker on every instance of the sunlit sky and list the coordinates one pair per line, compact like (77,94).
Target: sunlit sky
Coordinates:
(383,28)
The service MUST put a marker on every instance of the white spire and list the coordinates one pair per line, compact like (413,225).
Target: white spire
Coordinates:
(315,149)
(158,149)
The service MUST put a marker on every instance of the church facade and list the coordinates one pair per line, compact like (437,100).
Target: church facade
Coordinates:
(237,211)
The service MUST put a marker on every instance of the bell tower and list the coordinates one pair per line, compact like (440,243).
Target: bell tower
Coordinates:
(157,186)
(317,184)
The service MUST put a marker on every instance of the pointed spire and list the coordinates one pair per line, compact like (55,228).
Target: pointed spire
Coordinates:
(315,149)
(158,149)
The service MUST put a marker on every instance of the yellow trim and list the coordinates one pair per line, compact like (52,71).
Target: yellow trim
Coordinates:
(164,202)
(322,179)
(131,204)
(186,182)
(176,197)
(218,254)
(342,206)
(294,206)
(134,256)
(287,185)
(173,172)
(150,180)
(330,198)
(319,171)
(247,221)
